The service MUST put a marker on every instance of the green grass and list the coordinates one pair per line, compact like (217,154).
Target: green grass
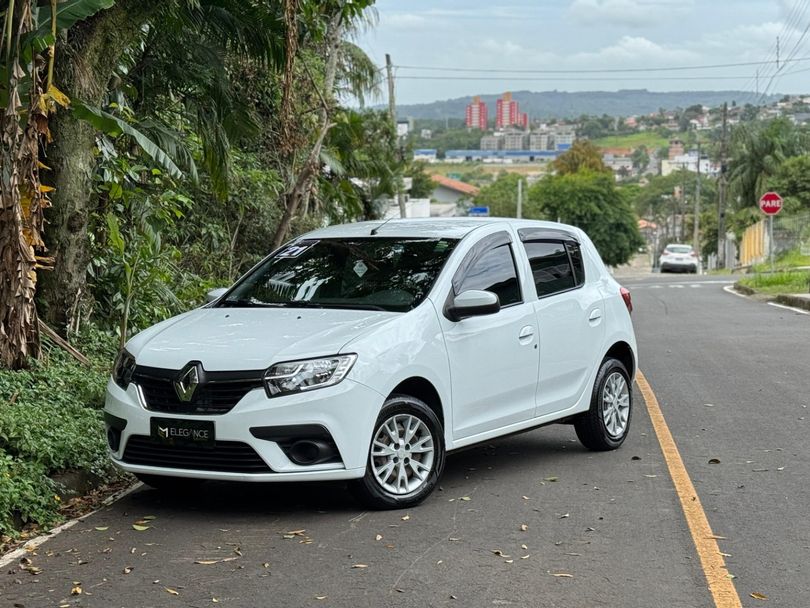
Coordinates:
(651,139)
(779,282)
(786,261)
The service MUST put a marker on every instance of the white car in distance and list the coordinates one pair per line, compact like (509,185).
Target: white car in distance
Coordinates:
(678,258)
(367,351)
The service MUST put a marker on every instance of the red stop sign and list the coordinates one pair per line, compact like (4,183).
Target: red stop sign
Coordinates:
(770,203)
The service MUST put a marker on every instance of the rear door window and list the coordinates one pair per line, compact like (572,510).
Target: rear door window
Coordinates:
(556,266)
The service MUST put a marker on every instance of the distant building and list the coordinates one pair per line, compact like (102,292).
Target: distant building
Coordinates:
(451,190)
(564,136)
(689,161)
(491,142)
(539,140)
(425,154)
(426,133)
(508,114)
(514,140)
(477,114)
(675,148)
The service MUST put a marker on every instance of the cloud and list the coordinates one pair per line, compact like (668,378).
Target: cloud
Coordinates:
(404,20)
(627,13)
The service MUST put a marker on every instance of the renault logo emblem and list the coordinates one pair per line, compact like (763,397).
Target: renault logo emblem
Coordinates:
(187,383)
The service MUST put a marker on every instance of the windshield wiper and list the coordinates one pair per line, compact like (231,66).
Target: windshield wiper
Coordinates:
(248,304)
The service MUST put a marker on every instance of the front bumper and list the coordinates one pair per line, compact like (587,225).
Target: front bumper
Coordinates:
(347,411)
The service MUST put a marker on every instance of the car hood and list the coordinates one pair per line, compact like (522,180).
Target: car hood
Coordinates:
(230,339)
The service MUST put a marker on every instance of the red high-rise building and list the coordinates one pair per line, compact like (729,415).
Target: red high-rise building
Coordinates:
(477,114)
(508,114)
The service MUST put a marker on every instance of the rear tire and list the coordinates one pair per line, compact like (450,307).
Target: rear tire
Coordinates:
(405,458)
(170,485)
(606,424)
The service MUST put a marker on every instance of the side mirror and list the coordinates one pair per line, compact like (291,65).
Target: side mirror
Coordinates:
(215,294)
(473,303)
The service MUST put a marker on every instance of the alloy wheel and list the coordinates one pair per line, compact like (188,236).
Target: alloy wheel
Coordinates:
(615,404)
(402,454)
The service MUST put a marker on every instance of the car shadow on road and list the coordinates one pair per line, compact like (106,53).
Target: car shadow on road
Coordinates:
(509,456)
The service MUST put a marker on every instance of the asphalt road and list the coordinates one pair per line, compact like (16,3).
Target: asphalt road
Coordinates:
(731,376)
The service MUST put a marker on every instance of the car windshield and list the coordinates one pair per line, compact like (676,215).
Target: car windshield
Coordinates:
(391,274)
(679,248)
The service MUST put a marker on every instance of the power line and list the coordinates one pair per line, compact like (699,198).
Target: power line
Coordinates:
(594,71)
(571,79)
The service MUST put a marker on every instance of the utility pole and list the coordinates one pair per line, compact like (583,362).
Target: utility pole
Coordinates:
(520,199)
(392,110)
(721,193)
(696,228)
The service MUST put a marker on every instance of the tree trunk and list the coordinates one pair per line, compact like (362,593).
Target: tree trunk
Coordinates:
(302,183)
(21,201)
(87,58)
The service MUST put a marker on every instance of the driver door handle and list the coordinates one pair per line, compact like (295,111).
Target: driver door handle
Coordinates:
(526,334)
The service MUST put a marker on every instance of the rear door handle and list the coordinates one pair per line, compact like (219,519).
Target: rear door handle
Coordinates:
(526,334)
(596,314)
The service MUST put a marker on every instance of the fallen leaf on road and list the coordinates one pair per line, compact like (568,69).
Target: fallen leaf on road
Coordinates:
(128,569)
(77,589)
(378,537)
(139,527)
(725,554)
(266,565)
(510,561)
(296,532)
(524,547)
(551,478)
(209,562)
(523,527)
(405,517)
(566,515)
(453,539)
(759,596)
(561,574)
(465,498)
(320,597)
(360,566)
(526,498)
(171,591)
(499,553)
(102,528)
(651,476)
(714,461)
(636,458)
(716,537)
(526,556)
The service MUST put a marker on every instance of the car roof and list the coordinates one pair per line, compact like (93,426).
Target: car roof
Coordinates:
(446,227)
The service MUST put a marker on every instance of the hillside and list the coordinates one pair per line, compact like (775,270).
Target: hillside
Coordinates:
(562,104)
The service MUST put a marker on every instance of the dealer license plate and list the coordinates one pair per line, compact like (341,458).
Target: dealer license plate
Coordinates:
(175,431)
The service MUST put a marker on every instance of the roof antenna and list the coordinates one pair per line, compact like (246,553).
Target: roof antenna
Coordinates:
(374,231)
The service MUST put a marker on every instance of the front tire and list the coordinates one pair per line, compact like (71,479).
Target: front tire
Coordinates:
(406,456)
(605,425)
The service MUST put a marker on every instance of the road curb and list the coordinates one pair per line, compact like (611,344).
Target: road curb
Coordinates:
(794,301)
(744,289)
(33,543)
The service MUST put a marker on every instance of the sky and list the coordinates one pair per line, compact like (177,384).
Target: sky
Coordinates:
(473,35)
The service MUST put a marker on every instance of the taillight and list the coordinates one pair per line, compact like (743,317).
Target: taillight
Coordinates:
(628,301)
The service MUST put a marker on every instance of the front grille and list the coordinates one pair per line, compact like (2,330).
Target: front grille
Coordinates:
(225,456)
(217,393)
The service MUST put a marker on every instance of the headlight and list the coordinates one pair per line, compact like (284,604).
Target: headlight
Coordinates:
(308,374)
(123,369)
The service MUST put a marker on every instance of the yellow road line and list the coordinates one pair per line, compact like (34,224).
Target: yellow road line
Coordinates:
(714,566)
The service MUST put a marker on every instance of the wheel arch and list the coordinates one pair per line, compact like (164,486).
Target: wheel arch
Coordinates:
(622,351)
(424,390)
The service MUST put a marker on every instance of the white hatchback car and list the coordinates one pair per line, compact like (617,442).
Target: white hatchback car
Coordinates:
(678,258)
(367,351)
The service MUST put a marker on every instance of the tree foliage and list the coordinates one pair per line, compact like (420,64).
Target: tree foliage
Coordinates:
(581,156)
(590,200)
